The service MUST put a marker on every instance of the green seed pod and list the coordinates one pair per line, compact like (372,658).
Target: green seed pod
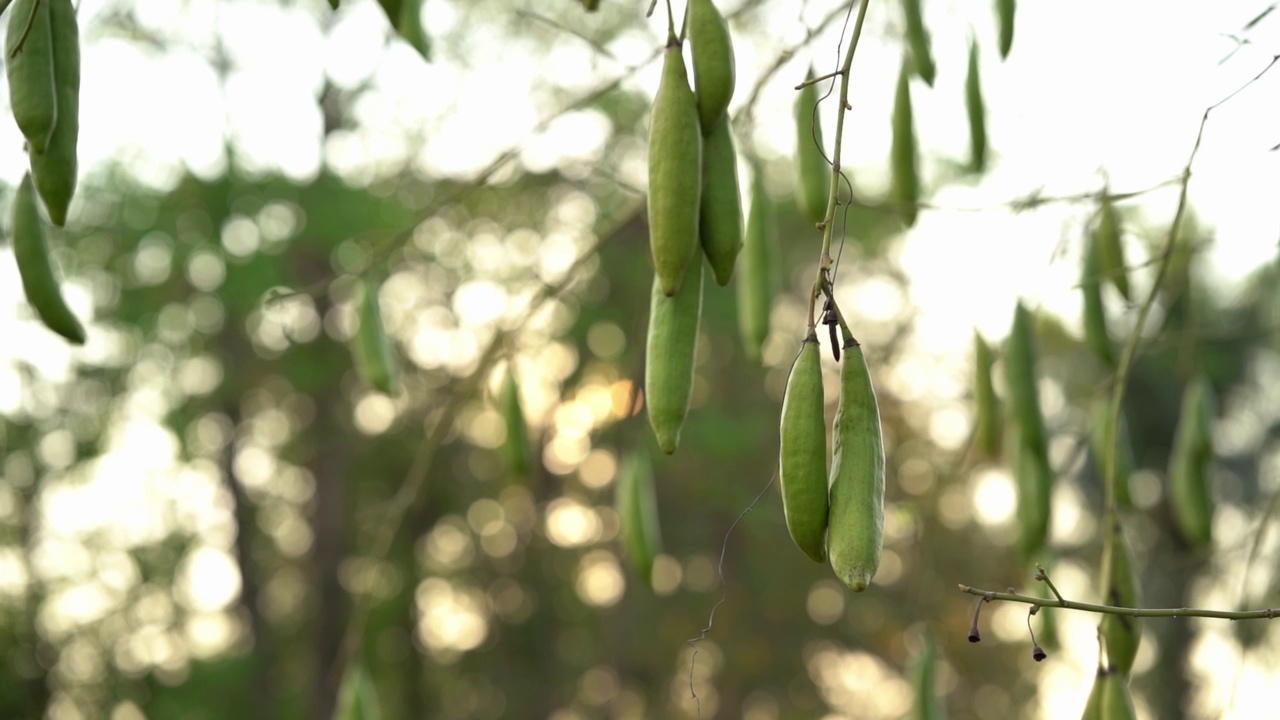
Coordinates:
(855,535)
(713,68)
(1095,316)
(1121,634)
(1005,11)
(54,170)
(669,355)
(754,289)
(720,219)
(1020,377)
(39,282)
(1107,236)
(1190,463)
(517,448)
(927,706)
(408,24)
(1116,702)
(813,173)
(987,423)
(976,110)
(591,5)
(918,40)
(357,696)
(675,173)
(637,509)
(1033,480)
(370,348)
(802,453)
(333,4)
(1093,706)
(904,181)
(1100,442)
(32,93)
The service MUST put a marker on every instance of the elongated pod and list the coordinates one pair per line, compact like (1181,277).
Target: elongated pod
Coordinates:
(927,706)
(1006,10)
(855,532)
(802,454)
(755,266)
(904,174)
(1108,237)
(987,420)
(33,94)
(975,110)
(55,170)
(1096,334)
(637,508)
(720,219)
(1033,480)
(918,40)
(371,349)
(1100,444)
(39,282)
(1020,360)
(813,174)
(670,354)
(1190,462)
(357,696)
(517,448)
(675,173)
(713,65)
(1121,634)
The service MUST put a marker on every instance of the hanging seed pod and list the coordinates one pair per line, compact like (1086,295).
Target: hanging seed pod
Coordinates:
(802,453)
(1116,702)
(1095,316)
(408,24)
(1190,462)
(1005,12)
(54,171)
(517,448)
(33,96)
(637,508)
(987,423)
(976,110)
(720,219)
(754,289)
(1121,634)
(904,181)
(1108,238)
(918,41)
(670,354)
(35,266)
(713,65)
(375,361)
(813,174)
(675,173)
(855,536)
(1033,481)
(357,696)
(1100,443)
(1020,377)
(927,705)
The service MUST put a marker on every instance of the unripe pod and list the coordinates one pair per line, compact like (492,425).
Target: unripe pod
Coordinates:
(813,174)
(1100,442)
(1116,702)
(670,354)
(855,533)
(39,283)
(713,64)
(32,90)
(637,509)
(1020,377)
(1095,316)
(802,453)
(1093,706)
(1121,633)
(918,40)
(1108,237)
(675,173)
(357,697)
(374,359)
(987,405)
(976,110)
(517,448)
(904,180)
(1190,462)
(1033,480)
(754,289)
(54,171)
(1005,12)
(720,219)
(928,706)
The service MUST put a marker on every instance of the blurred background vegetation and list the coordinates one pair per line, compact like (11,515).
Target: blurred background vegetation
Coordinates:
(204,513)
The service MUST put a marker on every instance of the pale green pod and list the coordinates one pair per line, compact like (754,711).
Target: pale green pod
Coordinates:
(1100,444)
(1108,237)
(927,705)
(517,448)
(855,532)
(813,174)
(33,96)
(755,266)
(802,452)
(371,349)
(975,110)
(1116,701)
(35,266)
(670,351)
(1121,633)
(918,40)
(720,219)
(1006,10)
(713,64)
(1190,462)
(675,174)
(55,170)
(904,173)
(1020,360)
(987,415)
(1033,480)
(1096,334)
(637,507)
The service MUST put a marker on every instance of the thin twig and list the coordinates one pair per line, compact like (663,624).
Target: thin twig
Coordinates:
(828,225)
(1264,614)
(1043,577)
